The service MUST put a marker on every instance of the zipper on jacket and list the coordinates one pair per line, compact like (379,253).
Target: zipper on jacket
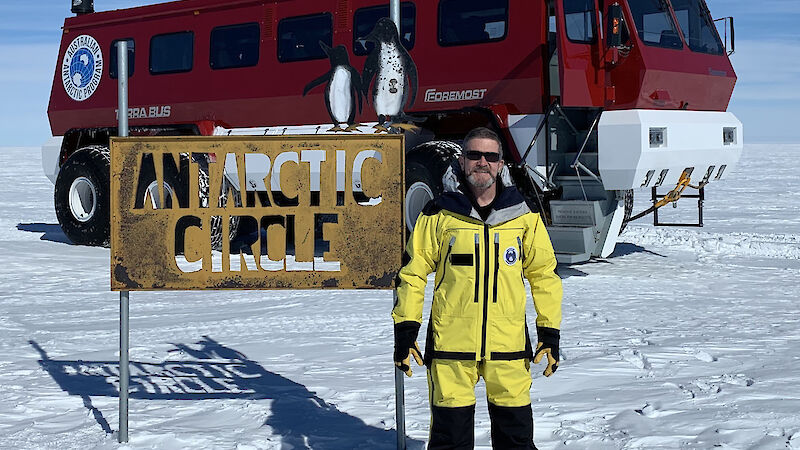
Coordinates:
(444,267)
(477,264)
(496,266)
(485,288)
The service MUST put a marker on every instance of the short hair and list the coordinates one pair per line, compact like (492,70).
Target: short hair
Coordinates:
(484,133)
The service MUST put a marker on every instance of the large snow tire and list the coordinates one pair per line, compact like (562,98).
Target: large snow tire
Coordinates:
(222,201)
(627,198)
(425,166)
(176,182)
(82,196)
(175,188)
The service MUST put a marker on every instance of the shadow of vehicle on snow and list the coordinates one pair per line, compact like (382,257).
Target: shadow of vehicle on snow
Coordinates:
(626,248)
(208,370)
(622,249)
(50,232)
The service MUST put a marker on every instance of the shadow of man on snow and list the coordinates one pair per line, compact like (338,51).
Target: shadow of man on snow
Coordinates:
(209,370)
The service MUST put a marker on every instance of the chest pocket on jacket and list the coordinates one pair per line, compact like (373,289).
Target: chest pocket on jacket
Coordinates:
(455,258)
(462,259)
(456,278)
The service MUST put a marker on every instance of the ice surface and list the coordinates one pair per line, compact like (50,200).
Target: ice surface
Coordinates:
(683,338)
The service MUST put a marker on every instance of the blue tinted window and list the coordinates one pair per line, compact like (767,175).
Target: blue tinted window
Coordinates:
(112,61)
(299,37)
(464,22)
(171,53)
(654,24)
(579,17)
(234,46)
(366,18)
(697,27)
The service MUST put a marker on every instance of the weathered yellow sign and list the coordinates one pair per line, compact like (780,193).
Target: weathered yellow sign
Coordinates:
(292,212)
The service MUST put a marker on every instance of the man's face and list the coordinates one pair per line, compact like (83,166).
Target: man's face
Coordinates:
(480,173)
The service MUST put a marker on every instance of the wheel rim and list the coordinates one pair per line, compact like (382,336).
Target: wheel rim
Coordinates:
(417,196)
(152,192)
(82,199)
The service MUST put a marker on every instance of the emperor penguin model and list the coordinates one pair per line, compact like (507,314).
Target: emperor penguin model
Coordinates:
(394,74)
(344,86)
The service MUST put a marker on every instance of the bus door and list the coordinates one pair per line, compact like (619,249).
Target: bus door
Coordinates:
(580,75)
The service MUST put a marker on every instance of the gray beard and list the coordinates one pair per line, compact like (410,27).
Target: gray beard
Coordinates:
(473,180)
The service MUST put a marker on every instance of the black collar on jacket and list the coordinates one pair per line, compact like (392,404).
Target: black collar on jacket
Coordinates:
(457,198)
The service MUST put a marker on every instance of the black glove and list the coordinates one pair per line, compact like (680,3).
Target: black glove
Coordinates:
(548,345)
(405,345)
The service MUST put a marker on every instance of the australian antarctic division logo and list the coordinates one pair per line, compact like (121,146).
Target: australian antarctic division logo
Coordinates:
(82,67)
(511,256)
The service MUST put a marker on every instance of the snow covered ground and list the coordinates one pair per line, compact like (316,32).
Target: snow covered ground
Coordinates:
(684,338)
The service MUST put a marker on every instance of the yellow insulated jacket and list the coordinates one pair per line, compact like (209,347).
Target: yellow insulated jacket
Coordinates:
(478,309)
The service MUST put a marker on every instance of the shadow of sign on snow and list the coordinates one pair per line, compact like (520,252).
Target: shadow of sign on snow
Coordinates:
(50,232)
(209,370)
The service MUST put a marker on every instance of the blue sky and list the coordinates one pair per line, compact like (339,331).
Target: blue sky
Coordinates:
(767,62)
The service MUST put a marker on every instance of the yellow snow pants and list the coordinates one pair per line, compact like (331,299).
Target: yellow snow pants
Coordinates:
(451,383)
(451,386)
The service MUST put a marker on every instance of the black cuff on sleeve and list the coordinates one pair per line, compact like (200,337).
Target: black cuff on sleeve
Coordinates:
(405,334)
(548,336)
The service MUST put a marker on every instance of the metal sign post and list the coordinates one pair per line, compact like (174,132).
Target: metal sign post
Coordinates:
(399,399)
(124,296)
(399,382)
(394,13)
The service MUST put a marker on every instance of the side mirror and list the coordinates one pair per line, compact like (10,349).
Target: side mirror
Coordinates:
(728,37)
(614,26)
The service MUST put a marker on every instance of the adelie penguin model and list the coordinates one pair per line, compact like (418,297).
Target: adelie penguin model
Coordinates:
(394,73)
(344,86)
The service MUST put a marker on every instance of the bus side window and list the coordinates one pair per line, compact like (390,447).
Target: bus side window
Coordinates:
(299,37)
(172,53)
(364,21)
(112,67)
(580,21)
(234,46)
(463,22)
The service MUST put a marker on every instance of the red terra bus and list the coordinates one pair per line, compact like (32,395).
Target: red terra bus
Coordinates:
(593,98)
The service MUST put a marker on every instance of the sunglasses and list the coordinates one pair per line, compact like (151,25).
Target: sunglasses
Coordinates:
(475,155)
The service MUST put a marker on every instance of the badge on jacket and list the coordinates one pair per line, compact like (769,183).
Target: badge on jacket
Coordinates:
(511,256)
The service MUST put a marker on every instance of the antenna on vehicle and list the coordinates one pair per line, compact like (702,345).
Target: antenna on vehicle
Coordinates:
(82,6)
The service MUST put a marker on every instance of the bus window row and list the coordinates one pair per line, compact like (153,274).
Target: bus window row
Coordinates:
(461,22)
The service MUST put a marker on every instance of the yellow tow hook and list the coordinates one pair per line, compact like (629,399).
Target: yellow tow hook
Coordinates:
(671,196)
(675,194)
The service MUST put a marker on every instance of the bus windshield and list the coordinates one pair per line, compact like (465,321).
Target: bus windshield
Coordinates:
(697,27)
(654,23)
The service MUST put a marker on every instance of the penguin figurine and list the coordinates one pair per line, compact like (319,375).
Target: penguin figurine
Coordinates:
(394,74)
(344,86)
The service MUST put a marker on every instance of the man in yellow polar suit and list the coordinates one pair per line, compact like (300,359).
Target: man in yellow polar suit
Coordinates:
(481,239)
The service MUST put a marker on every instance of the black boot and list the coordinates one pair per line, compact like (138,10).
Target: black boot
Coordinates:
(452,428)
(512,427)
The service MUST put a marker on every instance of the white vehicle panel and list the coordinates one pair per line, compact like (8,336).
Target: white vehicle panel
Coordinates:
(691,139)
(51,151)
(522,128)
